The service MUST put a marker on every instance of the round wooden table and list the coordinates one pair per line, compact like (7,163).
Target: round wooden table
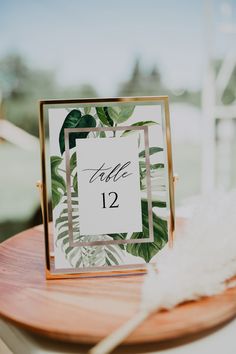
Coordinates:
(87,310)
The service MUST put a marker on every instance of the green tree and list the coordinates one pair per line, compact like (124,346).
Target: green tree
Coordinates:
(22,87)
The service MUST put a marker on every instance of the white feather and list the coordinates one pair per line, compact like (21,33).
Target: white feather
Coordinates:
(202,260)
(203,257)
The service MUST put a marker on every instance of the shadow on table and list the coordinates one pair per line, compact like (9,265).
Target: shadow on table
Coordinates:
(60,346)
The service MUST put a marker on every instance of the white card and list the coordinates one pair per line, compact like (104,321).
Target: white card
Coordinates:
(109,185)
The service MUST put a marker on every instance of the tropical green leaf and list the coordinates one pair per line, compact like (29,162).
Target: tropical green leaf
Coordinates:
(64,242)
(73,202)
(58,183)
(119,237)
(125,112)
(71,121)
(73,162)
(104,116)
(85,256)
(75,183)
(102,134)
(60,220)
(153,167)
(120,114)
(142,164)
(87,109)
(108,262)
(152,150)
(74,195)
(65,233)
(114,249)
(88,256)
(75,120)
(158,203)
(78,263)
(148,250)
(113,113)
(72,254)
(111,257)
(62,235)
(64,211)
(66,224)
(138,124)
(68,250)
(156,166)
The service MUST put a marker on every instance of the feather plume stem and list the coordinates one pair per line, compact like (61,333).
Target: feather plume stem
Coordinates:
(117,337)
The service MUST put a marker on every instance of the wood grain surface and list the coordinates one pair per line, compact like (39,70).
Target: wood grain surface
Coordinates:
(87,310)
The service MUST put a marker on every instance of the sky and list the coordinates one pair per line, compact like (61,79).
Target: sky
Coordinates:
(97,41)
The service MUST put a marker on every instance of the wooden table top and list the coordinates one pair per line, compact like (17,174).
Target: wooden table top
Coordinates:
(86,310)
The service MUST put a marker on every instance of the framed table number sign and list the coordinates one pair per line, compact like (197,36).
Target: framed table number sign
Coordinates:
(107,183)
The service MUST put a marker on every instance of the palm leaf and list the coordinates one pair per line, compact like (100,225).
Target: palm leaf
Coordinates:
(148,250)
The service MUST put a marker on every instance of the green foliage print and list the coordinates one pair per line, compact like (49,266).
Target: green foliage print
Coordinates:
(104,255)
(75,119)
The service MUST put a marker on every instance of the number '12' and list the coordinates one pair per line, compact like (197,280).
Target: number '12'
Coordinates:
(112,205)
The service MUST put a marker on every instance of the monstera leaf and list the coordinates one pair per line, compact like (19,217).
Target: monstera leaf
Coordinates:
(58,183)
(75,120)
(148,250)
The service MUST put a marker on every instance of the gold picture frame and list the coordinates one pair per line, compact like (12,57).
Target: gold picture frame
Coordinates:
(44,106)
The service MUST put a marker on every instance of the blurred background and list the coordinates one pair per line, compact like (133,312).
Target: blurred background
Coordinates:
(73,49)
